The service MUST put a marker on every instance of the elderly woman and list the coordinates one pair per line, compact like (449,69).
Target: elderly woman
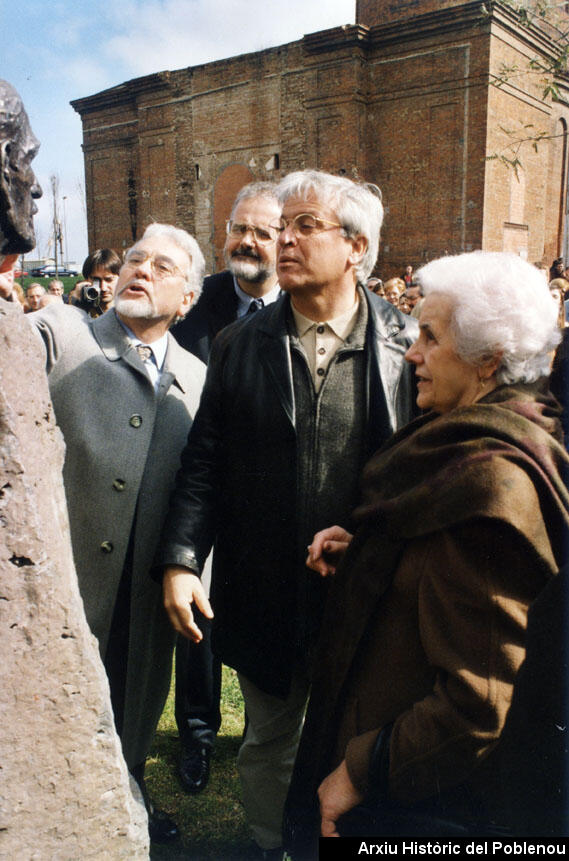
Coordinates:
(460,527)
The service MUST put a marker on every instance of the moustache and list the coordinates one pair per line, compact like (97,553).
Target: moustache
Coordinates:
(245,252)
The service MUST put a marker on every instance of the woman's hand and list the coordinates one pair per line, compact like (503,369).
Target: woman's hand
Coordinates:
(337,794)
(327,548)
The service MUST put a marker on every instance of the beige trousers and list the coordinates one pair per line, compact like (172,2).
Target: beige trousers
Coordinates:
(266,757)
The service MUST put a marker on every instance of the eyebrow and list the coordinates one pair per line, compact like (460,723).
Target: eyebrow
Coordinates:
(426,327)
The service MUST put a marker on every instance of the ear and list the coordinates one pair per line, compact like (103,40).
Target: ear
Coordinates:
(359,248)
(185,304)
(5,176)
(5,160)
(489,368)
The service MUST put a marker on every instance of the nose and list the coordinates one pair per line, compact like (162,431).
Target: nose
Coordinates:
(36,189)
(287,236)
(144,269)
(413,355)
(248,238)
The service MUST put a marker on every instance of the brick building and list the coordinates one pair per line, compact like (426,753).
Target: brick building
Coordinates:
(405,98)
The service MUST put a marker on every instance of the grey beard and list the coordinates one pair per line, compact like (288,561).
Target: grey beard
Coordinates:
(135,308)
(252,271)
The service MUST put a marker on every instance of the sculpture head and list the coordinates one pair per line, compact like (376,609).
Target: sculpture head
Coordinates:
(18,184)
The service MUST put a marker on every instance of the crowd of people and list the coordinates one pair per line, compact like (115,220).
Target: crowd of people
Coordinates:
(404,292)
(376,476)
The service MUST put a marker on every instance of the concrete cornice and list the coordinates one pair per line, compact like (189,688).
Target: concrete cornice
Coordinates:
(349,35)
(454,19)
(123,93)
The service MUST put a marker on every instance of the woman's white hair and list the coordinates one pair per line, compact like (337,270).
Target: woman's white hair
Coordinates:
(501,304)
(357,205)
(187,243)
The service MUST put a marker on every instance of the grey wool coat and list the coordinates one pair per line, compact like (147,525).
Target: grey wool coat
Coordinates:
(123,442)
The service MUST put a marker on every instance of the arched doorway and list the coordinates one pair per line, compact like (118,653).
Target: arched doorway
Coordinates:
(228,183)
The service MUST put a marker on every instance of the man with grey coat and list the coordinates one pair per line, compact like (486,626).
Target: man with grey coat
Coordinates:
(124,394)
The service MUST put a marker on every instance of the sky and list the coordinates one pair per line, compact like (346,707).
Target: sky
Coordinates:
(57,50)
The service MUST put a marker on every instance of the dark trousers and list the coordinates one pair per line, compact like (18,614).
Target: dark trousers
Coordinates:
(198,688)
(116,655)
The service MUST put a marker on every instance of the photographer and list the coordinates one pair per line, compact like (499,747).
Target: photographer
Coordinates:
(101,271)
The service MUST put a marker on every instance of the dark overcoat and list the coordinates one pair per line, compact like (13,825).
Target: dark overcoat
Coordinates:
(238,485)
(123,443)
(215,309)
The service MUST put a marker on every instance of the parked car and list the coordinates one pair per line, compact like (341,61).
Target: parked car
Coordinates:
(20,273)
(49,272)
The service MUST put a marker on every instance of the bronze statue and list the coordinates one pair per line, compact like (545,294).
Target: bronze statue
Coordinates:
(18,184)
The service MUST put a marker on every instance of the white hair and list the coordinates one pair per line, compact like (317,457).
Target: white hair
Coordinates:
(357,205)
(501,304)
(187,243)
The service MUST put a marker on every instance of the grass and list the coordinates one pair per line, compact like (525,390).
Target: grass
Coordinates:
(212,823)
(68,282)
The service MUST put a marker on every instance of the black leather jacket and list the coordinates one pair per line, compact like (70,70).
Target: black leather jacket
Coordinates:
(237,485)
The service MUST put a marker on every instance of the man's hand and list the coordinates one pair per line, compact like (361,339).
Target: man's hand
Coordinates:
(337,794)
(327,549)
(181,587)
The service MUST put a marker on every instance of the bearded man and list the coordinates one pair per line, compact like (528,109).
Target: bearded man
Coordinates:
(124,395)
(250,280)
(248,283)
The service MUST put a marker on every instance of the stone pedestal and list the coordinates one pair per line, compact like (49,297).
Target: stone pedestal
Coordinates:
(65,791)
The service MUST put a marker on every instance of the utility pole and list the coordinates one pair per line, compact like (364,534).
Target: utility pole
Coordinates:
(56,230)
(66,261)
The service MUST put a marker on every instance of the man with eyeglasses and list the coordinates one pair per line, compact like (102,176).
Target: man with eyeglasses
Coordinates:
(294,403)
(124,394)
(248,283)
(250,280)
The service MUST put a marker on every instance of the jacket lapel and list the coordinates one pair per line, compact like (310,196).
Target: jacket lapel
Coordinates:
(177,367)
(114,342)
(274,353)
(384,366)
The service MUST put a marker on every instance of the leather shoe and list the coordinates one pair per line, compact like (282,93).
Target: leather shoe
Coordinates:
(194,767)
(161,828)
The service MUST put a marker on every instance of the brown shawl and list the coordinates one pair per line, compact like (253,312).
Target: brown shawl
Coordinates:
(437,472)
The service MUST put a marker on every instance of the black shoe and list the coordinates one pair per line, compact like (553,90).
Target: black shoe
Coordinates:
(194,767)
(161,828)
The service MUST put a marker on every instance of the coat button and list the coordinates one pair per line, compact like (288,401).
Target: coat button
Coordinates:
(135,421)
(106,547)
(320,372)
(119,484)
(320,330)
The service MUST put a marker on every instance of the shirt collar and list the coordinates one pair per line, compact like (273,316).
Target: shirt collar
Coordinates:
(341,326)
(244,300)
(158,347)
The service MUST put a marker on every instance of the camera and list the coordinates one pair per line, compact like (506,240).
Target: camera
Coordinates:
(91,293)
(90,296)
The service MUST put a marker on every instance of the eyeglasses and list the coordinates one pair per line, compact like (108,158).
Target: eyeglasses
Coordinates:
(162,267)
(262,235)
(306,224)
